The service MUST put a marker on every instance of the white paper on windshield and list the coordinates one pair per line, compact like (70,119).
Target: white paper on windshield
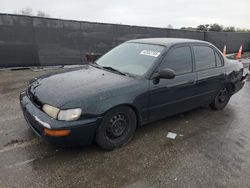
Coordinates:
(150,53)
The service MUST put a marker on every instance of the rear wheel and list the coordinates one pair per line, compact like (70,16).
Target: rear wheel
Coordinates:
(117,128)
(221,100)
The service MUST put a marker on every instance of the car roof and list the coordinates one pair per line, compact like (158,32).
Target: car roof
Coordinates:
(166,41)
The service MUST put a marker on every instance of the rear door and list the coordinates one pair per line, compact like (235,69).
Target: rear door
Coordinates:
(171,96)
(210,72)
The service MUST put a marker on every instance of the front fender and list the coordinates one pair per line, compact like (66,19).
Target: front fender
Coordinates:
(98,104)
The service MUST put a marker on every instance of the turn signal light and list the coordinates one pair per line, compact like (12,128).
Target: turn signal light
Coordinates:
(57,133)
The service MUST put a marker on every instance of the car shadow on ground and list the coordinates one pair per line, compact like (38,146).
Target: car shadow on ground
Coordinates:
(186,124)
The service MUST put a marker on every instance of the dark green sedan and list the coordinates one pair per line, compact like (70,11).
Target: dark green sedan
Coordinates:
(137,82)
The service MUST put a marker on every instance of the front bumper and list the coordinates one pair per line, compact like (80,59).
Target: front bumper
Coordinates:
(82,131)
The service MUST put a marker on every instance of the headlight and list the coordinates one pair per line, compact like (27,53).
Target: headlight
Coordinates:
(51,111)
(70,115)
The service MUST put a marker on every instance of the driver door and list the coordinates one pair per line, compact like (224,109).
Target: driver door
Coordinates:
(171,96)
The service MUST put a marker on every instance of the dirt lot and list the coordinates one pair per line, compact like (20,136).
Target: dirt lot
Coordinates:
(212,149)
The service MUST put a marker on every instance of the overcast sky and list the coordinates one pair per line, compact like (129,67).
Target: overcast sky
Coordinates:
(157,13)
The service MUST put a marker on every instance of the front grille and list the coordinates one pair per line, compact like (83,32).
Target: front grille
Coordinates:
(34,99)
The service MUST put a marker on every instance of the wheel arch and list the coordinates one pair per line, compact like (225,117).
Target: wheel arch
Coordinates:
(231,87)
(133,107)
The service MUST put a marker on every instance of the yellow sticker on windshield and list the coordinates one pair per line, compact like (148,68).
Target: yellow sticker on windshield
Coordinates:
(150,53)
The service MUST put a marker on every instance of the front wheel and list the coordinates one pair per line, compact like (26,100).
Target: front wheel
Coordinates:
(117,128)
(221,99)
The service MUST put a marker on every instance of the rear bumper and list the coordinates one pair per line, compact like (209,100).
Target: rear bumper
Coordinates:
(82,131)
(239,85)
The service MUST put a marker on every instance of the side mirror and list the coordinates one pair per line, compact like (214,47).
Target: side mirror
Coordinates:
(166,74)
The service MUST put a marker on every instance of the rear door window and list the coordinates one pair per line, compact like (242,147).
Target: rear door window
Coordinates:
(204,57)
(179,60)
(219,61)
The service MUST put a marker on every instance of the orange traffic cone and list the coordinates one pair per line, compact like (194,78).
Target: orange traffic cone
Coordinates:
(238,56)
(225,50)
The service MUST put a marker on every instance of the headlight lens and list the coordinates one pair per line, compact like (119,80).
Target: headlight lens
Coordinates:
(51,111)
(70,115)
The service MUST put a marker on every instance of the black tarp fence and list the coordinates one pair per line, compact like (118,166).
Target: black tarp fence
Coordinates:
(33,41)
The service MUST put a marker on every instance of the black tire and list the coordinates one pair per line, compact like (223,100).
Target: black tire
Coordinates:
(221,99)
(117,128)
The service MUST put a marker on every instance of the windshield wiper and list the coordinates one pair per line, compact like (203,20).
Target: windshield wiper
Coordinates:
(94,64)
(115,70)
(108,68)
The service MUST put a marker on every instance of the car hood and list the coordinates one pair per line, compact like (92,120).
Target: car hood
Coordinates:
(78,86)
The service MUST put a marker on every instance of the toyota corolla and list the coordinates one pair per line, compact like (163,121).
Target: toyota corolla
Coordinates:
(137,82)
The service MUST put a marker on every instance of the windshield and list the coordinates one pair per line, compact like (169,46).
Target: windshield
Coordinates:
(131,58)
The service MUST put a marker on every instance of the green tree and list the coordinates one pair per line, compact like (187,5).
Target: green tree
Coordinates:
(215,27)
(242,30)
(169,26)
(201,28)
(26,11)
(42,14)
(29,12)
(229,29)
(188,28)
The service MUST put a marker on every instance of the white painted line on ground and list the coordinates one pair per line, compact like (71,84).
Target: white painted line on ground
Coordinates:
(20,163)
(20,145)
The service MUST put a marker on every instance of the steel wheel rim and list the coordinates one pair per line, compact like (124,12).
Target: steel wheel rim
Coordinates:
(117,127)
(223,94)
